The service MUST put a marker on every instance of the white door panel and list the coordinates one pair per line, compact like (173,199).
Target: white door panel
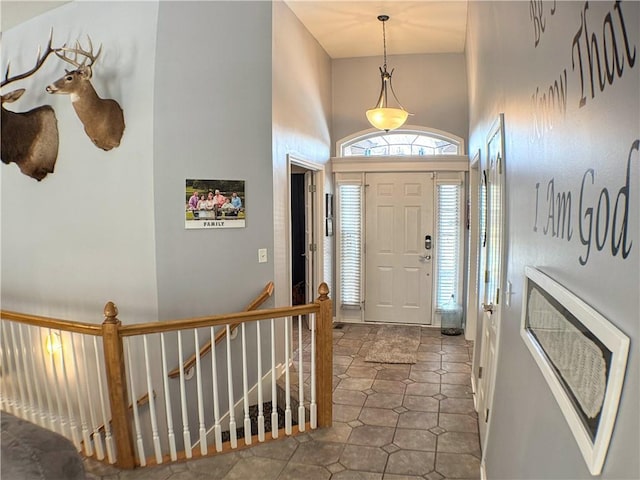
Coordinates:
(399,213)
(493,258)
(310,240)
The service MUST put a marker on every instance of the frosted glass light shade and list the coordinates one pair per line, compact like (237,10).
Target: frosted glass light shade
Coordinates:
(387,118)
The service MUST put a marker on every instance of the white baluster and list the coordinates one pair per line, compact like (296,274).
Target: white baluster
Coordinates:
(202,429)
(56,388)
(274,388)
(233,438)
(45,381)
(301,412)
(217,431)
(245,389)
(313,406)
(35,374)
(88,447)
(97,437)
(260,399)
(152,404)
(72,421)
(108,439)
(36,379)
(186,435)
(167,401)
(136,417)
(4,398)
(287,398)
(28,379)
(22,401)
(8,377)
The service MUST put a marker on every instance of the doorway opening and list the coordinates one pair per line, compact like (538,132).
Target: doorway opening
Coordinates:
(298,240)
(305,252)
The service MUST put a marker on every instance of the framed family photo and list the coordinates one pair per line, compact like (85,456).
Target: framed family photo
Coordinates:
(215,204)
(583,358)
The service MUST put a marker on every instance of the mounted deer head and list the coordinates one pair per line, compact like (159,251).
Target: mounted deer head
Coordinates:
(29,139)
(103,119)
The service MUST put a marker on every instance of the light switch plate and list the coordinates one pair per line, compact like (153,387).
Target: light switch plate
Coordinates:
(262,255)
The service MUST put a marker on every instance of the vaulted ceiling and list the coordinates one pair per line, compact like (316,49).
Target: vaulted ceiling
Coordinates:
(344,28)
(347,28)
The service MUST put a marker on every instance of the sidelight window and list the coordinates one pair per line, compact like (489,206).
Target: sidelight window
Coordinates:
(350,244)
(448,244)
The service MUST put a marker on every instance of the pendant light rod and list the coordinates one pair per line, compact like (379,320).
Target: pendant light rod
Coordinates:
(384,18)
(382,116)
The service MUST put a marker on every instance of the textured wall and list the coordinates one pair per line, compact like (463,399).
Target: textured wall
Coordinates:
(431,87)
(301,120)
(571,127)
(212,121)
(85,234)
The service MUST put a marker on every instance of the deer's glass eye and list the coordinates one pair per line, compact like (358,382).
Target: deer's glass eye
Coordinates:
(69,78)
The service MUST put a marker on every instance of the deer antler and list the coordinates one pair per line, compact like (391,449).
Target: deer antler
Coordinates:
(39,62)
(62,53)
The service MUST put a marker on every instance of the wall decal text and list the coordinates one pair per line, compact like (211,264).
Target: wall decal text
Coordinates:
(603,217)
(605,53)
(598,56)
(538,20)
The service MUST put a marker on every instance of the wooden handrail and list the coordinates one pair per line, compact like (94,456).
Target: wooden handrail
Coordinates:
(112,332)
(267,291)
(191,361)
(55,323)
(215,320)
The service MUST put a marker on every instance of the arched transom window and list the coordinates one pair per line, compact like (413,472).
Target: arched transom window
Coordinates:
(402,142)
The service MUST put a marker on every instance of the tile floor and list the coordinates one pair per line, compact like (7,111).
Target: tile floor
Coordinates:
(391,422)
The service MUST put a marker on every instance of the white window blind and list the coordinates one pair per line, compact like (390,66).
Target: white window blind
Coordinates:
(350,228)
(448,244)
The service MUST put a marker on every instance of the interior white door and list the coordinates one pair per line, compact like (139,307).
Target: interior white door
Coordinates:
(310,240)
(398,259)
(493,276)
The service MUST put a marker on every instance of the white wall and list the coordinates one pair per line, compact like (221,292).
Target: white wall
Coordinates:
(529,437)
(431,87)
(85,234)
(301,116)
(212,121)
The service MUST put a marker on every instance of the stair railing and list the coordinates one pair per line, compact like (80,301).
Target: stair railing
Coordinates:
(81,384)
(206,348)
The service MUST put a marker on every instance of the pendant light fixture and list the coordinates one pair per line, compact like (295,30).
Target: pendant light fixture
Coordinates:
(382,116)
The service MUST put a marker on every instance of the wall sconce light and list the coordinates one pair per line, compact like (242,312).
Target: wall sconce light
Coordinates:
(53,343)
(382,116)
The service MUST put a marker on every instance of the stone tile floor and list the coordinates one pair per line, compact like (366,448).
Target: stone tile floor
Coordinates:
(391,422)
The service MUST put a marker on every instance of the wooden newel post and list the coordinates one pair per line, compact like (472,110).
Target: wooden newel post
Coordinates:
(324,357)
(117,385)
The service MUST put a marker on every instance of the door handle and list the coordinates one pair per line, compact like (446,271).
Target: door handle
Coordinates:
(488,307)
(425,257)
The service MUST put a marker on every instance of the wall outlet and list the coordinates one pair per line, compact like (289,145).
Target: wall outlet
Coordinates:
(262,255)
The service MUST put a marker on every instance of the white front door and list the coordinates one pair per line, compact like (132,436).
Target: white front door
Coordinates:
(398,257)
(492,297)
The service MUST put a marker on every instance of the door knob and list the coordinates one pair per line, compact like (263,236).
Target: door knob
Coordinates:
(487,307)
(425,257)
